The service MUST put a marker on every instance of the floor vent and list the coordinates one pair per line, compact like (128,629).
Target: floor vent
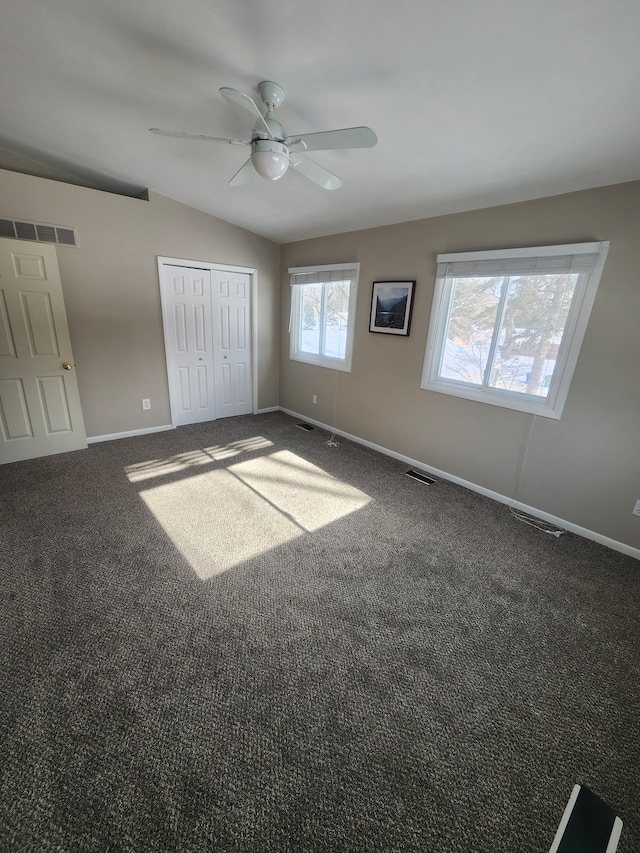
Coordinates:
(306,427)
(38,232)
(420,477)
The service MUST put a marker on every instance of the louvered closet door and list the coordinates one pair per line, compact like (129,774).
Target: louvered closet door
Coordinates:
(232,343)
(40,410)
(188,343)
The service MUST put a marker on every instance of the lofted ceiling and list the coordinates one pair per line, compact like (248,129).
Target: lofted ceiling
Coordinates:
(474,102)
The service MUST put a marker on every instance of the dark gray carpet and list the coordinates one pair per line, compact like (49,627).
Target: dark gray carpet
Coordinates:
(417,671)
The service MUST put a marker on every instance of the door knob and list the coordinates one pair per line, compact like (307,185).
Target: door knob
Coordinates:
(67,365)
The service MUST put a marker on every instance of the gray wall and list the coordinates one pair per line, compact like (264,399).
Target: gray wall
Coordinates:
(584,468)
(112,295)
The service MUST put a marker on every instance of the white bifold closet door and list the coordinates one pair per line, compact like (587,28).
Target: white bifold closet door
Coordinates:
(207,325)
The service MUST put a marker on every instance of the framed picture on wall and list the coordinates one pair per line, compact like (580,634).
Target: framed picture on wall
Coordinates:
(391,306)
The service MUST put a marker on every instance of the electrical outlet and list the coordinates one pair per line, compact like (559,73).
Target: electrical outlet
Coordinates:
(636,509)
(146,404)
(314,399)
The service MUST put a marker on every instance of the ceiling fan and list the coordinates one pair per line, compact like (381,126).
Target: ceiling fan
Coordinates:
(272,151)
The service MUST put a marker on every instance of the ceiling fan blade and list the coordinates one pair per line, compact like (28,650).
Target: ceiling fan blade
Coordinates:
(244,107)
(181,134)
(243,175)
(325,140)
(318,174)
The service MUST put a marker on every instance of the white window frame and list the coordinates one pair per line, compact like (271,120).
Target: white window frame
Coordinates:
(492,263)
(322,274)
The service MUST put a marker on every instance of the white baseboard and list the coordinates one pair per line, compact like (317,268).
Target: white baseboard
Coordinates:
(94,439)
(496,496)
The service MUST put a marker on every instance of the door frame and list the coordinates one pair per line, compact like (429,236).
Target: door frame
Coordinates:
(252,272)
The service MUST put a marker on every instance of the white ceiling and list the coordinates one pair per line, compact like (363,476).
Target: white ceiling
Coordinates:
(475,102)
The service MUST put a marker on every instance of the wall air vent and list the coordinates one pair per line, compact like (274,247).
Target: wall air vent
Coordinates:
(39,232)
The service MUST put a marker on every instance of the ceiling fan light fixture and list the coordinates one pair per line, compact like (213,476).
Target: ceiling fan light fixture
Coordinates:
(270,158)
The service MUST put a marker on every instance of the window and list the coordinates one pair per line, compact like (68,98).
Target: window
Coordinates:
(323,308)
(507,325)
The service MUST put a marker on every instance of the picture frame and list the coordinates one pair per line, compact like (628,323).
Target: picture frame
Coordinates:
(391,307)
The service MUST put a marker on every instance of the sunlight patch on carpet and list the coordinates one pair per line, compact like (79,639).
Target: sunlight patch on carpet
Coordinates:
(194,458)
(220,518)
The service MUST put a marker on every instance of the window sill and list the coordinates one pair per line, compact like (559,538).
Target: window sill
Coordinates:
(542,408)
(320,361)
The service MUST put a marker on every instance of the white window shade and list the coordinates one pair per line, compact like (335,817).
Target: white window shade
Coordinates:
(319,275)
(543,260)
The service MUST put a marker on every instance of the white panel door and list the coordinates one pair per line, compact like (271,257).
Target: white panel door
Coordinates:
(232,343)
(40,410)
(188,342)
